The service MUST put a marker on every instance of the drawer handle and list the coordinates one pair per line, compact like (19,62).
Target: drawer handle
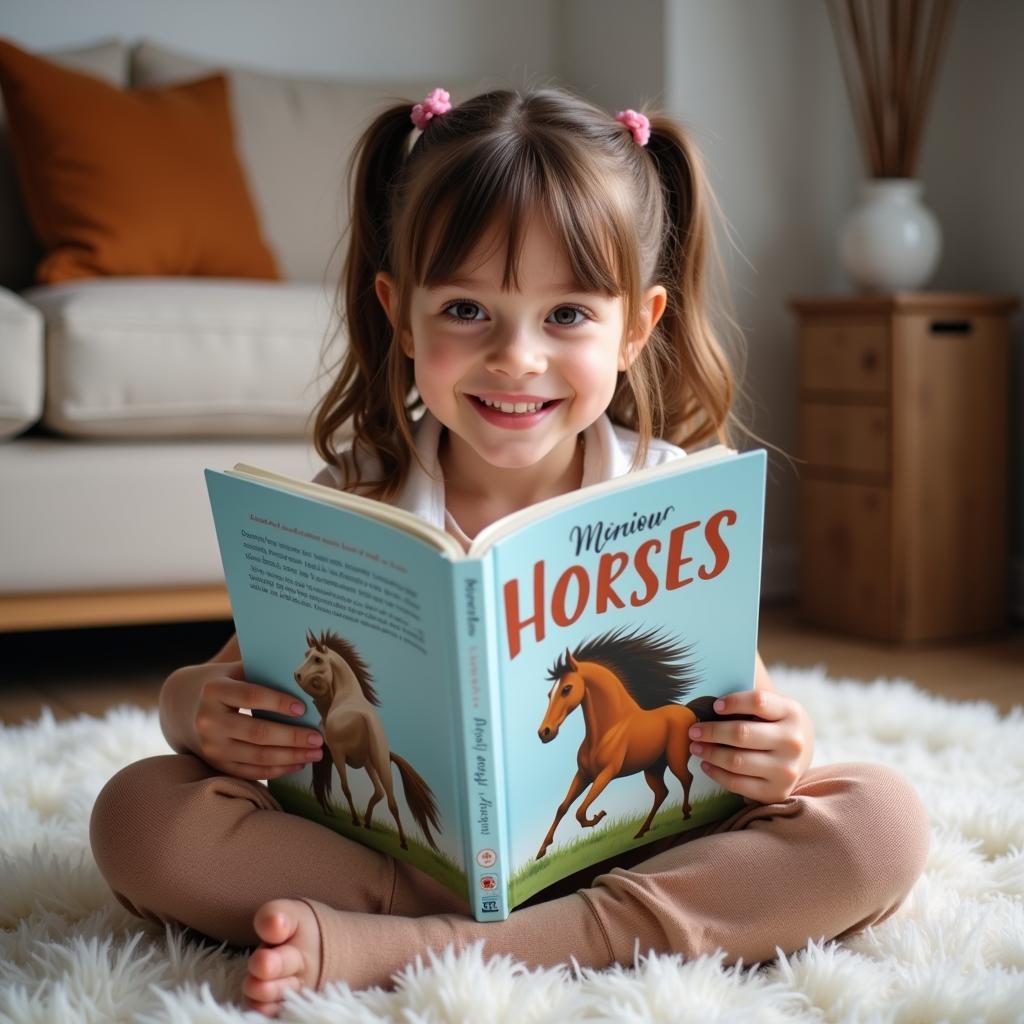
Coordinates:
(950,327)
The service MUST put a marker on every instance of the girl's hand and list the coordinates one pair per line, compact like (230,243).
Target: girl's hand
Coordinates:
(243,745)
(761,759)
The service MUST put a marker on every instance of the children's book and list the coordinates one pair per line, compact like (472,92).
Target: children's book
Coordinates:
(503,717)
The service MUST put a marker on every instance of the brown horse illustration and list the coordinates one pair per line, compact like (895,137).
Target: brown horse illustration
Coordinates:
(629,686)
(339,682)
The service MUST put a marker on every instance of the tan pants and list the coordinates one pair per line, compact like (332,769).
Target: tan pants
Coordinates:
(179,843)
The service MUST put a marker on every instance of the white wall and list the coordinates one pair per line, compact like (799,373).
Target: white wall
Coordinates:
(612,51)
(458,39)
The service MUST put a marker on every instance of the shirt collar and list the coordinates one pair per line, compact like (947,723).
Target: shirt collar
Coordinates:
(423,493)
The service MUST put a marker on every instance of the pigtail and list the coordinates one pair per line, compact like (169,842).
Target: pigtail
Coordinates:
(630,216)
(688,368)
(375,377)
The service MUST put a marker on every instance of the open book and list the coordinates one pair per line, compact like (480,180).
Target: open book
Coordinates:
(505,717)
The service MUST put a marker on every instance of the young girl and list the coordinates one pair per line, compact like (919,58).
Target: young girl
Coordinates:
(525,308)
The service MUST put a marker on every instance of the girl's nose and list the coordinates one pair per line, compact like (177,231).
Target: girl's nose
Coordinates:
(516,352)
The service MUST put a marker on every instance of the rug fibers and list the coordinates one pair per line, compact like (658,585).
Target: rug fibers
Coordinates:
(953,952)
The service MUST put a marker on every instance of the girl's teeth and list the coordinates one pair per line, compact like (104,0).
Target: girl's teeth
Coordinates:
(508,407)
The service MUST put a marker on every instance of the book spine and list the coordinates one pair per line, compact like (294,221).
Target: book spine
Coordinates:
(486,843)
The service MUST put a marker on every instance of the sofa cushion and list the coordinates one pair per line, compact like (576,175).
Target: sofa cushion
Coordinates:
(21,364)
(294,137)
(147,357)
(100,515)
(120,182)
(21,249)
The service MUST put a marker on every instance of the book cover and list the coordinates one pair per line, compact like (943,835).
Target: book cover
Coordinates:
(506,718)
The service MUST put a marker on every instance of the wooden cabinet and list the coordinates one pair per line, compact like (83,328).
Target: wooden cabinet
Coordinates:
(904,442)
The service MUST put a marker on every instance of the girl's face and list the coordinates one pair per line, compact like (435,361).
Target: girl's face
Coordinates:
(516,376)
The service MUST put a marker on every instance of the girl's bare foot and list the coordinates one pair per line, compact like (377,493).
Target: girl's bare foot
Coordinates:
(289,958)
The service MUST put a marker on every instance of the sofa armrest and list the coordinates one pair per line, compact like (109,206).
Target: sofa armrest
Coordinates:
(21,364)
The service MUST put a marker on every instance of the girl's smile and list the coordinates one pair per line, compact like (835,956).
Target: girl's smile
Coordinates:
(514,412)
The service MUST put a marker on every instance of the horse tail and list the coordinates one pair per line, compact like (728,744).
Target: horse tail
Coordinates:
(704,709)
(322,772)
(419,797)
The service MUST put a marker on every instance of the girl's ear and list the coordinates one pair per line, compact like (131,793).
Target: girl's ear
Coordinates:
(387,293)
(652,307)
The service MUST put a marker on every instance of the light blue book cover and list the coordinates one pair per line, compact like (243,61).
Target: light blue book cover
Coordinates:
(504,718)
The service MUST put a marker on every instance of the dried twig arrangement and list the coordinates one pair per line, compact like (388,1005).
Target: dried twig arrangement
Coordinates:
(889,50)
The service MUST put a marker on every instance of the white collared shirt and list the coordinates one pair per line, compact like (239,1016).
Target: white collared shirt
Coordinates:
(607,453)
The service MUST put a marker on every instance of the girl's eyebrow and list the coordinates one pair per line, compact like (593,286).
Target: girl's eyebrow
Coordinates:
(559,287)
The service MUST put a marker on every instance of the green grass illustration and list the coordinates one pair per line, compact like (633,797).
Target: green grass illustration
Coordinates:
(612,836)
(382,835)
(562,859)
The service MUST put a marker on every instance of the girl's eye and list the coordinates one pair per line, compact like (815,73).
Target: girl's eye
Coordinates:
(464,311)
(461,310)
(572,311)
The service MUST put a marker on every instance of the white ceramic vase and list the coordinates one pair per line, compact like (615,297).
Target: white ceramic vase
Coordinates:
(890,241)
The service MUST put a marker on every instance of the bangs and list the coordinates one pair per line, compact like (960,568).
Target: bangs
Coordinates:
(497,190)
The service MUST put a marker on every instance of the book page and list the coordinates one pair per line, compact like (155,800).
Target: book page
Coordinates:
(486,538)
(396,517)
(492,534)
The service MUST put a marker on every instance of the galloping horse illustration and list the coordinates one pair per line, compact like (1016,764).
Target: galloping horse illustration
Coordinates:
(339,682)
(629,686)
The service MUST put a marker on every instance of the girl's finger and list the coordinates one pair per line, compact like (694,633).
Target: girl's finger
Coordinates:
(268,733)
(745,735)
(265,732)
(254,697)
(742,785)
(766,704)
(259,754)
(737,761)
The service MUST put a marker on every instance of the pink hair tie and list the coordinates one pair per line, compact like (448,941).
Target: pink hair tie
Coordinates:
(437,102)
(637,123)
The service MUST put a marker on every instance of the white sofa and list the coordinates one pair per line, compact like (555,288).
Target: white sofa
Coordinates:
(116,393)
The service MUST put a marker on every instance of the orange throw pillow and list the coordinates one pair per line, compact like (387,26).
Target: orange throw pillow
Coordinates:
(141,182)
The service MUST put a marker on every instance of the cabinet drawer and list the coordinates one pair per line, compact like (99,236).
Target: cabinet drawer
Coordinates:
(851,357)
(854,437)
(845,557)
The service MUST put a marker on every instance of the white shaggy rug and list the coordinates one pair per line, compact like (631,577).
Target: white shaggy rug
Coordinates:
(954,952)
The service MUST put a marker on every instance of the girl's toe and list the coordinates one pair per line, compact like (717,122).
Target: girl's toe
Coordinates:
(273,922)
(269,927)
(264,963)
(278,962)
(269,991)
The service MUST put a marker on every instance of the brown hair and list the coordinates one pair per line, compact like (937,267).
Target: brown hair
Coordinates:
(630,216)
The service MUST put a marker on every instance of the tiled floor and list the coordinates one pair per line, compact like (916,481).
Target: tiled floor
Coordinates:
(78,671)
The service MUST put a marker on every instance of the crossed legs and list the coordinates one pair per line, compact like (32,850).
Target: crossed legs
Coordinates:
(177,842)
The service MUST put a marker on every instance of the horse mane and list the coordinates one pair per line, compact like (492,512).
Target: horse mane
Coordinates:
(329,639)
(654,669)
